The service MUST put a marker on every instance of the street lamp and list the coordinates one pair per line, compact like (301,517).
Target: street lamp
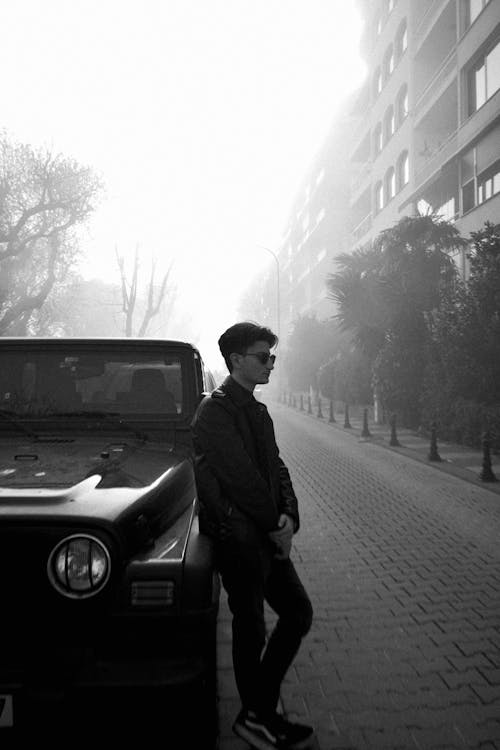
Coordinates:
(277,287)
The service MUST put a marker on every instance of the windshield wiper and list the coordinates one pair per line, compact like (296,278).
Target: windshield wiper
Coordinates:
(113,417)
(12,418)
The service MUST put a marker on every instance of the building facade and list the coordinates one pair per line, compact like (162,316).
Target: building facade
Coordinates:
(317,229)
(428,133)
(421,135)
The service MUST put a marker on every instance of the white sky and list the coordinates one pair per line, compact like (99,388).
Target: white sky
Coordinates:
(200,115)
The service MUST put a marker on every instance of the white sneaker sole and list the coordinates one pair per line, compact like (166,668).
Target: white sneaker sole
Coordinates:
(259,743)
(256,742)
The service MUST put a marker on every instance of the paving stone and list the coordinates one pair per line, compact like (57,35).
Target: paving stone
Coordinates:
(402,563)
(468,677)
(491,675)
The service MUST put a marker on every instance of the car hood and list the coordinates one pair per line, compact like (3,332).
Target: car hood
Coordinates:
(64,463)
(87,479)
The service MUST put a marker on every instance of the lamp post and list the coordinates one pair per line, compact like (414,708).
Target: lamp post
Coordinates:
(278,304)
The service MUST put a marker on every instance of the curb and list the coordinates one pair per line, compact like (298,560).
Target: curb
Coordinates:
(446,466)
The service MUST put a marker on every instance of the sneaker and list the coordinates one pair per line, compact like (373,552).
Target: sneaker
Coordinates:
(273,732)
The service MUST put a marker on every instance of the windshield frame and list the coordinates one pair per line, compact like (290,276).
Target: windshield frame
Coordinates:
(154,349)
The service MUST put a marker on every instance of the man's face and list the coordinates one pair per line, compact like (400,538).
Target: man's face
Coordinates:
(249,369)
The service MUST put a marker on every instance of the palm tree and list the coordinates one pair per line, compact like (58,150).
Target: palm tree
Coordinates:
(356,290)
(417,267)
(387,296)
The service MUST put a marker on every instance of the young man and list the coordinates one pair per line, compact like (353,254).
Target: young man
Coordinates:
(249,508)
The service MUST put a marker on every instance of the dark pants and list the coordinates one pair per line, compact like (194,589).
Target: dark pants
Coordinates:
(250,576)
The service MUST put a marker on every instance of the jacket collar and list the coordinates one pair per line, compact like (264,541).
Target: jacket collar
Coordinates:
(241,396)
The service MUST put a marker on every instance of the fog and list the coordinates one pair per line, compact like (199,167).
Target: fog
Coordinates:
(201,119)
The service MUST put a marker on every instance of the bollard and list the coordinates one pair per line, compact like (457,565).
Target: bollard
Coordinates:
(365,432)
(320,413)
(301,402)
(347,424)
(289,399)
(487,474)
(309,405)
(294,402)
(433,452)
(331,418)
(394,438)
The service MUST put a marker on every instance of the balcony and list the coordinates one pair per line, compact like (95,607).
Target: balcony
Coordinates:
(435,51)
(361,134)
(361,229)
(428,20)
(435,159)
(436,86)
(480,121)
(360,178)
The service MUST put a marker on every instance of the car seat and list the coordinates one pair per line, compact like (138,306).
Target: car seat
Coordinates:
(149,393)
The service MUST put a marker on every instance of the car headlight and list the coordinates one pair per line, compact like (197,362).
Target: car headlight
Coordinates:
(79,566)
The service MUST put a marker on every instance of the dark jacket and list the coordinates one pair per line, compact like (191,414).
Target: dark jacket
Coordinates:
(241,480)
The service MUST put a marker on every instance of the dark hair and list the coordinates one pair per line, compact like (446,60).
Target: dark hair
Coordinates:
(242,335)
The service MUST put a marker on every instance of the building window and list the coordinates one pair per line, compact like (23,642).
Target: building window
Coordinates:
(403,170)
(390,184)
(484,79)
(377,82)
(377,139)
(468,196)
(379,197)
(389,124)
(447,210)
(472,9)
(488,183)
(468,182)
(401,40)
(388,65)
(402,104)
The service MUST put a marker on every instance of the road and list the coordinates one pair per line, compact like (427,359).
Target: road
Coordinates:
(402,563)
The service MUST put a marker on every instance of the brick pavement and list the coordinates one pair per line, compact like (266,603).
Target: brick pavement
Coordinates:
(402,563)
(461,461)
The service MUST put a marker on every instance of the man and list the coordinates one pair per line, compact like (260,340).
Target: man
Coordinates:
(249,508)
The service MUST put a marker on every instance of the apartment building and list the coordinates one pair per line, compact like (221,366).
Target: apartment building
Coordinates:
(428,133)
(317,229)
(422,134)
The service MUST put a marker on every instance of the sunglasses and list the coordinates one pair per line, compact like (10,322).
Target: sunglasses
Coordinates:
(263,357)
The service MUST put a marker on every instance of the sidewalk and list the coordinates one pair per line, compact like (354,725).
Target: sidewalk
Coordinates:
(350,637)
(458,460)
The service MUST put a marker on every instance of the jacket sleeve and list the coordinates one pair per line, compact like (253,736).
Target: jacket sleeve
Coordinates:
(288,500)
(216,436)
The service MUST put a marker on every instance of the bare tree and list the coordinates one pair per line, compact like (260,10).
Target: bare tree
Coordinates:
(130,299)
(44,197)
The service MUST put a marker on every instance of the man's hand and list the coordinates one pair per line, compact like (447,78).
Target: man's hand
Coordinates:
(282,537)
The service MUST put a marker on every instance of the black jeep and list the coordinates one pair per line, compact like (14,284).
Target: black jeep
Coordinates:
(109,595)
